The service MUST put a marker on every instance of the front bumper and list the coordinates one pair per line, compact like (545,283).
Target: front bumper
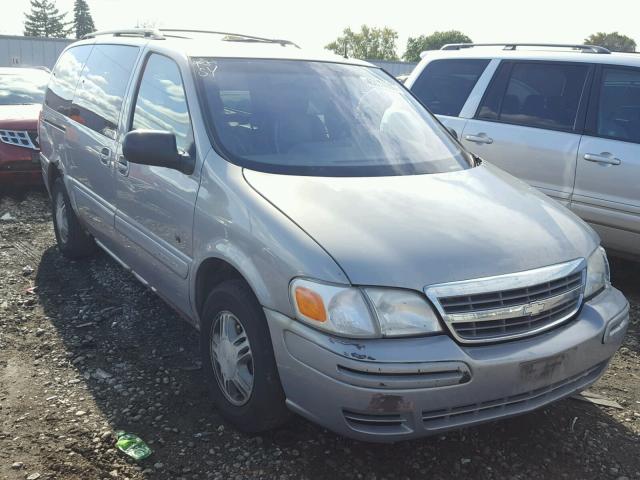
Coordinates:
(387,390)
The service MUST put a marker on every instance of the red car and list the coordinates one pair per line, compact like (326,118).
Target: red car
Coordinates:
(21,95)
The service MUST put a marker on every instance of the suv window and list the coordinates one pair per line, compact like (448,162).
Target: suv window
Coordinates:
(619,105)
(161,103)
(64,78)
(444,85)
(537,94)
(102,87)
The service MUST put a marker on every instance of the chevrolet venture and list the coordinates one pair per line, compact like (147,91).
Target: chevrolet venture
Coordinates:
(342,256)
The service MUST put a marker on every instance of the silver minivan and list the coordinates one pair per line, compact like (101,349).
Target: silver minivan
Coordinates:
(341,255)
(563,118)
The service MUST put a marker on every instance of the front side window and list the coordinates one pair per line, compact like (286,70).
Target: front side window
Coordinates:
(444,85)
(619,104)
(161,103)
(102,87)
(23,87)
(537,94)
(64,78)
(316,118)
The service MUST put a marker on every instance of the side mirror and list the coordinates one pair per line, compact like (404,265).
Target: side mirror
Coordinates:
(453,133)
(156,148)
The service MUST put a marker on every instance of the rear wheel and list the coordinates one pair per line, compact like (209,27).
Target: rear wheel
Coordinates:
(238,361)
(73,241)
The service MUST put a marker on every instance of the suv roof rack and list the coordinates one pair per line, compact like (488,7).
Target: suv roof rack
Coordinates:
(513,46)
(157,34)
(131,32)
(231,37)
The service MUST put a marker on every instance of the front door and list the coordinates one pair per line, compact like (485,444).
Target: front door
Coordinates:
(607,191)
(155,205)
(528,123)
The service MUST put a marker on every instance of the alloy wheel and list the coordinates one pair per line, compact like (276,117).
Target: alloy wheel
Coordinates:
(231,358)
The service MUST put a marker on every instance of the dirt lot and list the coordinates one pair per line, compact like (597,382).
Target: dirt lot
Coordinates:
(85,351)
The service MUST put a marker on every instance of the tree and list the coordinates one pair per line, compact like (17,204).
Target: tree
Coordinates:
(45,20)
(614,41)
(82,19)
(435,41)
(369,43)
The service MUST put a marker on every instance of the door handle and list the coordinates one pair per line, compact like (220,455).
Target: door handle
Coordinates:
(604,158)
(479,138)
(105,155)
(123,165)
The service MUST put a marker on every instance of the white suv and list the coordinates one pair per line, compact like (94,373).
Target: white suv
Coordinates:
(564,118)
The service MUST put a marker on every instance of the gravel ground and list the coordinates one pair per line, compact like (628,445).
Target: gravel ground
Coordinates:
(85,351)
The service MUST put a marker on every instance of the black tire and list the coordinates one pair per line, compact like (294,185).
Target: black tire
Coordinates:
(75,242)
(265,408)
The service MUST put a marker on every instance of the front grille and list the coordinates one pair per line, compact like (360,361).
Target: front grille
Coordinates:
(510,298)
(18,138)
(513,326)
(510,306)
(511,405)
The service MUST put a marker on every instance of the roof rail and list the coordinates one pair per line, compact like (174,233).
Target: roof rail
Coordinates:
(231,37)
(131,32)
(513,46)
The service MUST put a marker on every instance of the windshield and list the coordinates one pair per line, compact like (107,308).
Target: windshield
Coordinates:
(22,87)
(328,119)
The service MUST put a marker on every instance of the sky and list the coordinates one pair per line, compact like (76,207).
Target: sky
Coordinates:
(314,24)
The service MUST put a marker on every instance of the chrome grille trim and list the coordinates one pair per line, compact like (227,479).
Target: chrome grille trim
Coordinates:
(511,306)
(527,309)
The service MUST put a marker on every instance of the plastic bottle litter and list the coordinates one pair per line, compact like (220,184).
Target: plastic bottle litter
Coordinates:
(132,445)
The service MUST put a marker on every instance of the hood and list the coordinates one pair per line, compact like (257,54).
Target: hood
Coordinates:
(17,117)
(418,230)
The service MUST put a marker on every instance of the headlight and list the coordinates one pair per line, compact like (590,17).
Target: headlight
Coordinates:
(597,273)
(402,312)
(346,311)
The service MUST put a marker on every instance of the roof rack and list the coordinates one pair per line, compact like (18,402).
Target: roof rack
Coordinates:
(513,46)
(131,32)
(232,37)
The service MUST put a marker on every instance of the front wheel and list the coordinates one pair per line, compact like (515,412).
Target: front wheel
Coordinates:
(238,361)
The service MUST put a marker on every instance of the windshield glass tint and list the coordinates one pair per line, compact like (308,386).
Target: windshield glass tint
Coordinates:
(22,87)
(313,118)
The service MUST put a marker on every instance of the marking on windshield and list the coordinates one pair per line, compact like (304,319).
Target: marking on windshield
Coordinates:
(206,68)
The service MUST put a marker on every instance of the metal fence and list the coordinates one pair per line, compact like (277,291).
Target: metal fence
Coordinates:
(395,68)
(30,51)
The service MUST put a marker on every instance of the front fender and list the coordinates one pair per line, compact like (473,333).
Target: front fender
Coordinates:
(234,223)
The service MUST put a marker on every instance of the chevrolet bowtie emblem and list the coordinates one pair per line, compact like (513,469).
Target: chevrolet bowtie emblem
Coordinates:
(533,308)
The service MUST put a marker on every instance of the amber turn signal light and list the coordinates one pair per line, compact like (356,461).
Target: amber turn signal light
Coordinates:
(310,304)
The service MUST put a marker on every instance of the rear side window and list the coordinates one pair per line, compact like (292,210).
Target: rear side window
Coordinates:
(536,94)
(64,78)
(102,87)
(445,85)
(619,105)
(162,104)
